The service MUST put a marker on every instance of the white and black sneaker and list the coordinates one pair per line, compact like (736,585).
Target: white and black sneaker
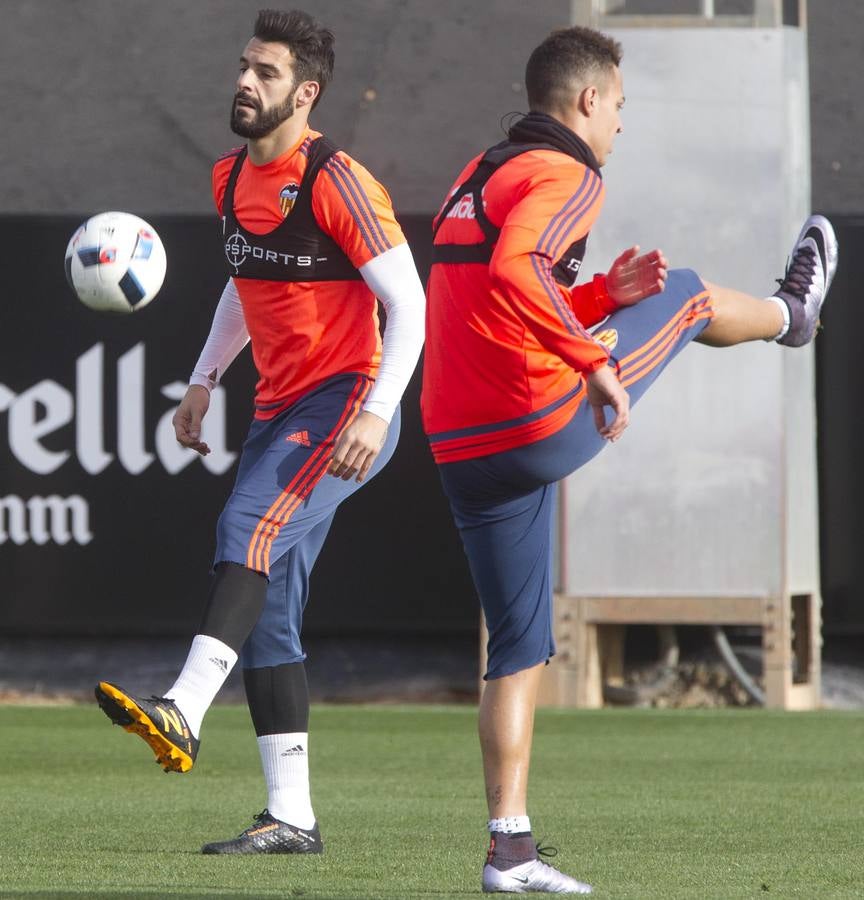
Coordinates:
(270,835)
(803,288)
(532,877)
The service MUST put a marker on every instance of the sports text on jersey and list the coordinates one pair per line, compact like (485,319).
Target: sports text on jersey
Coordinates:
(238,250)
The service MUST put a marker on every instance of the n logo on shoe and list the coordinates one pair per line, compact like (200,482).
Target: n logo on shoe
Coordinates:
(170,720)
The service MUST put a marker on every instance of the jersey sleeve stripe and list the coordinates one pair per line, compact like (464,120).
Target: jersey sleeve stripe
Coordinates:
(557,242)
(554,223)
(572,219)
(358,219)
(361,205)
(565,313)
(365,201)
(230,154)
(560,227)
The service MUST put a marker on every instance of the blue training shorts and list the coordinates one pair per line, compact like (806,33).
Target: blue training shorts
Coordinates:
(504,504)
(282,505)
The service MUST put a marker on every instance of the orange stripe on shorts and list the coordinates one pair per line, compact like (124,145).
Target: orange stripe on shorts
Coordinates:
(258,554)
(648,356)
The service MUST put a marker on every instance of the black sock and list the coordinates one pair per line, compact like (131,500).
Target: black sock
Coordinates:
(278,698)
(234,605)
(508,850)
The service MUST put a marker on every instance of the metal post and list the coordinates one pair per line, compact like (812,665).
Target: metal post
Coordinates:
(584,13)
(767,13)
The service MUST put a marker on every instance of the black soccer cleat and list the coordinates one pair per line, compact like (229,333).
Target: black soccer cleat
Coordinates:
(803,288)
(269,835)
(157,720)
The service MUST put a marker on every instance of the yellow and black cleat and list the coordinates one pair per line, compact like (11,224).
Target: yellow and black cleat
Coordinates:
(157,720)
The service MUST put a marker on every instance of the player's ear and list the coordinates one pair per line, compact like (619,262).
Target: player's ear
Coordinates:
(588,100)
(306,93)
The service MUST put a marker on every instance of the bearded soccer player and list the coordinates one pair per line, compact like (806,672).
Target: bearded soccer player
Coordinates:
(516,389)
(310,241)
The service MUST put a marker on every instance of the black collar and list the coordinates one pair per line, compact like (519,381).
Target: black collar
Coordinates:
(538,128)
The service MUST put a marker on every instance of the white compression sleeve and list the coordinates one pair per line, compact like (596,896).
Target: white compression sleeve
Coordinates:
(393,278)
(228,336)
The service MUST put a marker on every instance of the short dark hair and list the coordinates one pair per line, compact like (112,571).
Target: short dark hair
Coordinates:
(309,41)
(566,62)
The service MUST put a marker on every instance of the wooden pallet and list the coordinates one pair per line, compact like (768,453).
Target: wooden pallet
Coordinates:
(589,635)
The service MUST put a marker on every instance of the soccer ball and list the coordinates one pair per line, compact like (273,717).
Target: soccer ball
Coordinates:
(115,262)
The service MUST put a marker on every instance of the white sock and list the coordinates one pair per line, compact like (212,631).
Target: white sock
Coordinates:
(285,760)
(207,666)
(785,310)
(509,824)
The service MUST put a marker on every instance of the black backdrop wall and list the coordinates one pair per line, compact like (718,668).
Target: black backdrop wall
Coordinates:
(106,525)
(839,388)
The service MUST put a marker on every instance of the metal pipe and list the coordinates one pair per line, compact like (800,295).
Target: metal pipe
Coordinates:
(721,642)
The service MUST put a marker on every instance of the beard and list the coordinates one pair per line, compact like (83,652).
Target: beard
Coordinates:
(264,121)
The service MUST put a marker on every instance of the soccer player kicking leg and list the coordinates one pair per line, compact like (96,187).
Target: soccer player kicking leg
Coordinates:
(312,245)
(515,388)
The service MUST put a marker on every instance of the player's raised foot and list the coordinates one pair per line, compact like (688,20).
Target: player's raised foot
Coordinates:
(157,720)
(809,272)
(532,877)
(269,835)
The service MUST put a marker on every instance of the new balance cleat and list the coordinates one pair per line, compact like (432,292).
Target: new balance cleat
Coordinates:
(809,273)
(269,835)
(157,720)
(532,877)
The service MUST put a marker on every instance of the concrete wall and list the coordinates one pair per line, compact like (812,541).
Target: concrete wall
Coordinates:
(110,105)
(715,174)
(836,38)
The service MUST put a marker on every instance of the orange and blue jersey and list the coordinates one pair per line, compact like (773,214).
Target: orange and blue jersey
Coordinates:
(506,341)
(504,392)
(306,332)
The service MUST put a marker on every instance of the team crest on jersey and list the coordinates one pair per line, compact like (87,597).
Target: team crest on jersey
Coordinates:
(287,197)
(608,337)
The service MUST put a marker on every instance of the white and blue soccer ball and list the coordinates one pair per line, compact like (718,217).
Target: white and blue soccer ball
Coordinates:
(115,262)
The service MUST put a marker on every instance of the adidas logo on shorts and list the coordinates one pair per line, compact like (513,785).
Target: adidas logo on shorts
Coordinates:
(300,437)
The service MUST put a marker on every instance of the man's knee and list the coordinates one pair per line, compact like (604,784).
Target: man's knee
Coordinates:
(685,282)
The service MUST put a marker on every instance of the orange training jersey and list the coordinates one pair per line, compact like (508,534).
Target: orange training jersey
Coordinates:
(505,342)
(303,333)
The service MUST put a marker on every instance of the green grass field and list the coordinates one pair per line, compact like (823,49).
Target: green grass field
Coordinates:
(643,804)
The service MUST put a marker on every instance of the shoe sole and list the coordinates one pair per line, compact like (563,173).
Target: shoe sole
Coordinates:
(126,713)
(218,850)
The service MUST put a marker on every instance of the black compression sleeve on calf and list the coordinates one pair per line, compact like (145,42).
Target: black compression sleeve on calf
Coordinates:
(278,698)
(235,603)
